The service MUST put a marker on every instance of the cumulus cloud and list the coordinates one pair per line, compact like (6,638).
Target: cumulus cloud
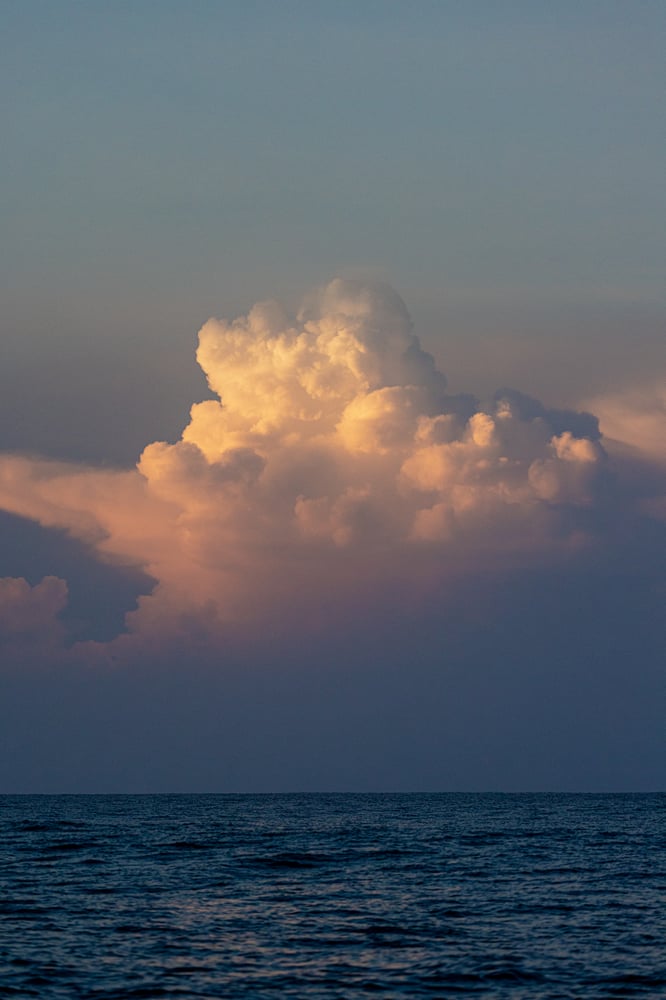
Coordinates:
(333,461)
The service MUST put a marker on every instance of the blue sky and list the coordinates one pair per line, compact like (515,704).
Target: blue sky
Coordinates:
(463,145)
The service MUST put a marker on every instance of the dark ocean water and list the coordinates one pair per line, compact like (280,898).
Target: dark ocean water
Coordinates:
(333,896)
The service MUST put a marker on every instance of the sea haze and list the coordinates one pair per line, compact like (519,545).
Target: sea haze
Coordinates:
(454,895)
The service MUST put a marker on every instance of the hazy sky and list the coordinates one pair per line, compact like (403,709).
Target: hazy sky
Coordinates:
(413,535)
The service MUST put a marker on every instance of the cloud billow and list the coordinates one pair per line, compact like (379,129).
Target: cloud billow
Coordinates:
(333,462)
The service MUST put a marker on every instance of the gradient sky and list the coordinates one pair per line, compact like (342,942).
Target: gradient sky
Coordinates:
(368,586)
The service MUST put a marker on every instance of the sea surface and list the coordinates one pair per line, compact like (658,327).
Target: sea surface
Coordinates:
(521,896)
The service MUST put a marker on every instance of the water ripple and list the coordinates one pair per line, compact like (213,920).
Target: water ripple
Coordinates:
(532,896)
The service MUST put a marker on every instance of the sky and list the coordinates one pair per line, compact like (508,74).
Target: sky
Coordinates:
(332,397)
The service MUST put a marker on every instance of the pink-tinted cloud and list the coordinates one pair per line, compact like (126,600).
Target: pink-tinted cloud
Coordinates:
(333,464)
(636,418)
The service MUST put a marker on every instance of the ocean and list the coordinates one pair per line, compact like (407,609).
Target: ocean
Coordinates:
(336,896)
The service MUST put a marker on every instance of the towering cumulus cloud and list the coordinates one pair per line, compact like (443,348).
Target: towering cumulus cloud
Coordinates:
(332,465)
